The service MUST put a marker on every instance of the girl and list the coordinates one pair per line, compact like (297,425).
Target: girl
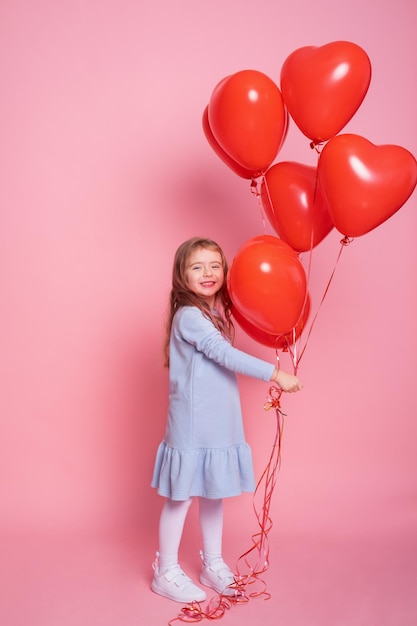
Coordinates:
(204,453)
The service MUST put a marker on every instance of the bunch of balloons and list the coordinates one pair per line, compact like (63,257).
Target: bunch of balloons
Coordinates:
(355,187)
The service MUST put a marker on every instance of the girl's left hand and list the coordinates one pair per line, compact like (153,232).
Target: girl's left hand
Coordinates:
(287,382)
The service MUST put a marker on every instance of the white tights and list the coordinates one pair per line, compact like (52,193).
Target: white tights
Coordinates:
(171,527)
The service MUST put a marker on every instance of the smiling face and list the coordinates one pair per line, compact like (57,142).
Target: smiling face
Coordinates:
(205,274)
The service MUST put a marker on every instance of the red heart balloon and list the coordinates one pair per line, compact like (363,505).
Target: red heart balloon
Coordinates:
(248,119)
(267,284)
(294,205)
(364,184)
(323,87)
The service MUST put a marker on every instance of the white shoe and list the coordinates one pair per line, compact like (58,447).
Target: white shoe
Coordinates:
(176,585)
(219,577)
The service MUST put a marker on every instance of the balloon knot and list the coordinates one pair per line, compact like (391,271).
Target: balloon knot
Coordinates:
(316,146)
(346,241)
(254,187)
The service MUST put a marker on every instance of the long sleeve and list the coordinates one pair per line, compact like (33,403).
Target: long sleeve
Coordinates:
(195,329)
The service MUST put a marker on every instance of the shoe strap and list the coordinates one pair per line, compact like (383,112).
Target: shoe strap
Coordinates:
(174,573)
(220,567)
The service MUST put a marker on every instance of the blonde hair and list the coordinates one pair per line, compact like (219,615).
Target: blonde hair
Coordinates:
(181,294)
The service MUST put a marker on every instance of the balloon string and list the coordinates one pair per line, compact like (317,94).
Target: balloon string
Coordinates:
(296,359)
(344,242)
(294,350)
(265,488)
(255,191)
(255,559)
(293,346)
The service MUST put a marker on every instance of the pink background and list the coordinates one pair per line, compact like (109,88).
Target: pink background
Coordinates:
(104,171)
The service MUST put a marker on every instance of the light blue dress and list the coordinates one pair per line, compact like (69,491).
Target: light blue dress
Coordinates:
(204,451)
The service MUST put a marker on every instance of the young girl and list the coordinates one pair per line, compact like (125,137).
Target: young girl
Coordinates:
(204,453)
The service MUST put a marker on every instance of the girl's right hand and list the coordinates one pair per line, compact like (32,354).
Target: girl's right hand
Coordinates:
(287,382)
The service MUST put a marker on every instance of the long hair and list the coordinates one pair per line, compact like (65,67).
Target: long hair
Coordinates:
(181,294)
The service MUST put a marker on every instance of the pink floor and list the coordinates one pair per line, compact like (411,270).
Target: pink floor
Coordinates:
(319,580)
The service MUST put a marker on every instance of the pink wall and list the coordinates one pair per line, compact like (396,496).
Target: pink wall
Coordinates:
(104,171)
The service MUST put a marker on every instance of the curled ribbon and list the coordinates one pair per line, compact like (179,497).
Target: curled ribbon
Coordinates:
(216,608)
(274,400)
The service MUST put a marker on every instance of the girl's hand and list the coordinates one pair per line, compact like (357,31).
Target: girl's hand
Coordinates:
(287,382)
